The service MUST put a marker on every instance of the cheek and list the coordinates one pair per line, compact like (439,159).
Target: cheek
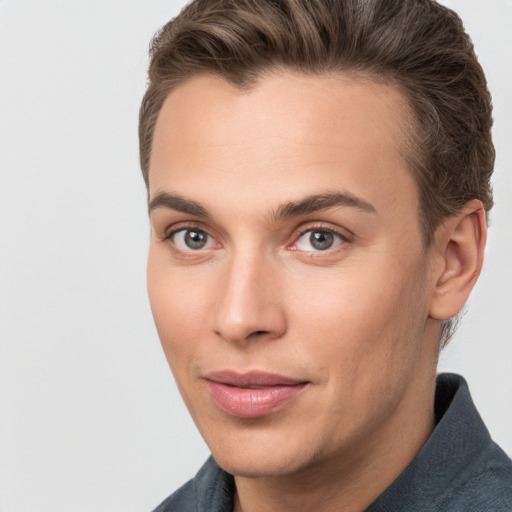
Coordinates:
(363,336)
(365,312)
(178,309)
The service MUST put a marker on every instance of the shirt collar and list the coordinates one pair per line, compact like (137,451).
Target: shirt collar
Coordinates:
(453,448)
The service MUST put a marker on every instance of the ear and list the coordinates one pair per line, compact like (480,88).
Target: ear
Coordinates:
(458,257)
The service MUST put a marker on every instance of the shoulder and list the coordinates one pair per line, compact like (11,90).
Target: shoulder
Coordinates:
(183,500)
(211,489)
(486,485)
(478,472)
(459,469)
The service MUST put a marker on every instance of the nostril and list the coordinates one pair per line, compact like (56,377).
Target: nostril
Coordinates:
(258,333)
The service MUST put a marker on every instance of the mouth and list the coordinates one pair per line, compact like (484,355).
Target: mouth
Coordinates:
(253,394)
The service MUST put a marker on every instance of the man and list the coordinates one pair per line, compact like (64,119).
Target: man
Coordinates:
(318,178)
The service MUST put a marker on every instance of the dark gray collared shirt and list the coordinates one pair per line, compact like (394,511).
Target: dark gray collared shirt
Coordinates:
(460,468)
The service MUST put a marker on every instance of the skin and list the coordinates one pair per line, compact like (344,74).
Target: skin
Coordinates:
(359,321)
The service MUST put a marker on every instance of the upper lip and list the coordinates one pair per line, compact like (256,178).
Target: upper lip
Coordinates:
(252,378)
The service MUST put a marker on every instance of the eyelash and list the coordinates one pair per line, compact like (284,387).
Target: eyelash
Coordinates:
(296,237)
(186,226)
(191,253)
(322,229)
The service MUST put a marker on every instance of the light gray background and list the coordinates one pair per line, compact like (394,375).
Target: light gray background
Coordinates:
(90,418)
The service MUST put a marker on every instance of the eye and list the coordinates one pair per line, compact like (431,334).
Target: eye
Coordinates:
(191,239)
(318,240)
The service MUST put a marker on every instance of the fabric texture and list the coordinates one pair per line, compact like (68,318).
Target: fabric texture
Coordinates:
(460,468)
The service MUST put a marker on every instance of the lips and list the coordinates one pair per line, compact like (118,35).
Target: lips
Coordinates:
(253,394)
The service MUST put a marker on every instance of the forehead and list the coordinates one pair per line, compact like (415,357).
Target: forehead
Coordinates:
(309,132)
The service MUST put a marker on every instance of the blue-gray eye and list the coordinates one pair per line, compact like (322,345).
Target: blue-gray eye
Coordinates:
(192,239)
(318,240)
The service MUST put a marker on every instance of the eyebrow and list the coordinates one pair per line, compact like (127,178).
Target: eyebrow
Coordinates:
(286,211)
(318,202)
(180,204)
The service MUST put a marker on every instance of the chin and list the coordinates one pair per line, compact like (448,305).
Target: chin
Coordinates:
(262,457)
(261,468)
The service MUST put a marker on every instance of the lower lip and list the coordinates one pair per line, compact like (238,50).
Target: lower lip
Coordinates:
(252,402)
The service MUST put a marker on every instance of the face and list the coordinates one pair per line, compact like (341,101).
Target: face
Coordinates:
(287,275)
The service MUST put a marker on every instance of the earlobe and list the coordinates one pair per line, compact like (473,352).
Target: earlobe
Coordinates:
(460,243)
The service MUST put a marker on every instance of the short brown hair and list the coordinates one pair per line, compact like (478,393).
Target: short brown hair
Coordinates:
(418,45)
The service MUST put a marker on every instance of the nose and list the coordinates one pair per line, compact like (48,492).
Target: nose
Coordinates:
(249,301)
